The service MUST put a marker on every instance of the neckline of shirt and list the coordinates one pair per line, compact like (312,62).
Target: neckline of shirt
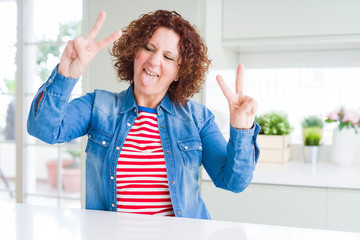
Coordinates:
(146,109)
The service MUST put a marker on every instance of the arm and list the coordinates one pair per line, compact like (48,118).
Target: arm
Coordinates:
(52,119)
(230,165)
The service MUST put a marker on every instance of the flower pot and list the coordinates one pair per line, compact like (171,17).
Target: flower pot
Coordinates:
(274,148)
(311,154)
(71,179)
(343,146)
(53,172)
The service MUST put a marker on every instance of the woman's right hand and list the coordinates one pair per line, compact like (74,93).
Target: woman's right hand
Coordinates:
(80,52)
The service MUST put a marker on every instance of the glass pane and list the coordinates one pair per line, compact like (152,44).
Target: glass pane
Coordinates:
(7,118)
(7,145)
(43,173)
(299,92)
(44,58)
(7,171)
(60,25)
(52,170)
(42,170)
(8,22)
(71,172)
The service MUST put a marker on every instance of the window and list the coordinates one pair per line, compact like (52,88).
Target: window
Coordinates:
(46,182)
(7,98)
(41,42)
(299,92)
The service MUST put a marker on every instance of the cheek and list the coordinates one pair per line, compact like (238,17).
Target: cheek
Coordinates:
(139,59)
(175,70)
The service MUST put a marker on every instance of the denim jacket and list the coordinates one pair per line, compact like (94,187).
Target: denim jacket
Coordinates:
(189,136)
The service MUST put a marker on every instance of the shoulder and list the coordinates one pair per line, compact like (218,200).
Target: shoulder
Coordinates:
(108,102)
(194,111)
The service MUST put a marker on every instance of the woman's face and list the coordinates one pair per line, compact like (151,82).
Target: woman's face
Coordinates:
(156,67)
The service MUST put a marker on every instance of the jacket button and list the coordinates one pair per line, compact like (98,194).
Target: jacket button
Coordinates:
(178,213)
(103,142)
(168,152)
(113,205)
(134,110)
(112,177)
(160,109)
(128,124)
(172,182)
(186,147)
(200,147)
(89,135)
(118,148)
(162,126)
(50,80)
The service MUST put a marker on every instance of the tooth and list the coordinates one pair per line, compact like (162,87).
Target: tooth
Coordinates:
(150,73)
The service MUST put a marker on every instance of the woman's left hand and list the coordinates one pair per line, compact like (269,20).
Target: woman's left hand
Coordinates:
(242,107)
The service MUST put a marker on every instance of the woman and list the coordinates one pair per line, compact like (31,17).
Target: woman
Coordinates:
(146,144)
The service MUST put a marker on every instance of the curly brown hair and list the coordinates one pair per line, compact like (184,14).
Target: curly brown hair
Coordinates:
(193,61)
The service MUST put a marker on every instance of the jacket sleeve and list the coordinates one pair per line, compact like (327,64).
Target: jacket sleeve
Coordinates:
(231,164)
(54,119)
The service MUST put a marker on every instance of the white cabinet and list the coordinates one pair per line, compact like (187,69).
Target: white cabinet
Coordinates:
(311,207)
(257,25)
(343,209)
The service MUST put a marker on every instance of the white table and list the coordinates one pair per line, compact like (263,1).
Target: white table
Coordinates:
(21,221)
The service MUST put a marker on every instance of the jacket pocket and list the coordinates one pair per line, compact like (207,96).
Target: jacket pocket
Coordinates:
(191,151)
(98,144)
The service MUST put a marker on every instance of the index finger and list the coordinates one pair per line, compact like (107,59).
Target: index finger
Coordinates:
(239,79)
(97,26)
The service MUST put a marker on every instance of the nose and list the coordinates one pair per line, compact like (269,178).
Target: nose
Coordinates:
(155,59)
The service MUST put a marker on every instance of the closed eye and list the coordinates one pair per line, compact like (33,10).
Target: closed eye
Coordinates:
(169,58)
(148,49)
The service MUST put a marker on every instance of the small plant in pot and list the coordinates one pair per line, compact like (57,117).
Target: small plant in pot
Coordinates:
(274,137)
(312,130)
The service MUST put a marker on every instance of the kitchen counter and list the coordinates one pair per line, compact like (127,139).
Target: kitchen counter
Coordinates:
(299,173)
(22,221)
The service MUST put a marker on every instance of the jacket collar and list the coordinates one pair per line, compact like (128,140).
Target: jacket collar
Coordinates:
(167,104)
(129,103)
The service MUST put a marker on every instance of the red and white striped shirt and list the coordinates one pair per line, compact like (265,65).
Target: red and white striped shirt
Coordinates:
(141,179)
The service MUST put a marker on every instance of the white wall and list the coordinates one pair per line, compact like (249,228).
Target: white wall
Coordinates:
(101,74)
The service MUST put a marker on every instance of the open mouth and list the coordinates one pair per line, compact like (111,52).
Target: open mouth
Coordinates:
(150,73)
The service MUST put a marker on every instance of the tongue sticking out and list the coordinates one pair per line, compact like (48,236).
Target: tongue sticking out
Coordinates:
(148,79)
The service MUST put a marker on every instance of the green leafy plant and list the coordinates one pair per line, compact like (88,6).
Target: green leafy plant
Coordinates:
(312,130)
(274,123)
(312,136)
(312,121)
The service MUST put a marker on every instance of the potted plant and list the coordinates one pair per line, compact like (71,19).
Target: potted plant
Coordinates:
(274,137)
(72,173)
(344,135)
(312,130)
(71,180)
